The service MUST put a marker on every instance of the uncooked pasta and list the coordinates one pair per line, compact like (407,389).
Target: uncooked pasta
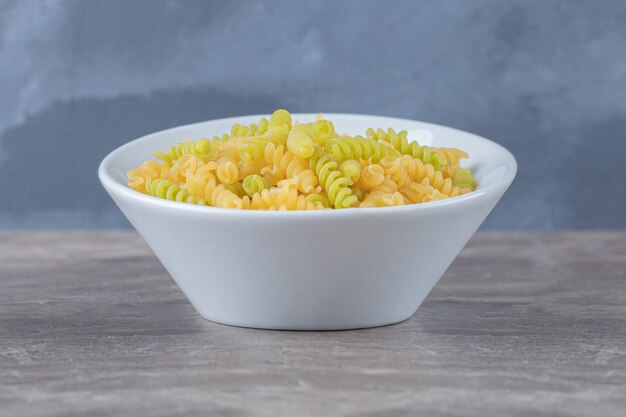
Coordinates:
(280,163)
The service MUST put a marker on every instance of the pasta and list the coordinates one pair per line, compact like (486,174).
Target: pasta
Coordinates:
(227,166)
(351,169)
(254,184)
(371,176)
(333,181)
(164,189)
(137,177)
(282,164)
(400,142)
(357,147)
(201,148)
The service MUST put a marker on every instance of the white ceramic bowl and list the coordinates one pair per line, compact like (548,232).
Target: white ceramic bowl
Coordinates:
(332,269)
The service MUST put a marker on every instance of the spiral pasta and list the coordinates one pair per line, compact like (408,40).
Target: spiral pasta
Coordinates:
(148,170)
(285,197)
(371,176)
(351,169)
(253,148)
(333,182)
(383,199)
(253,184)
(238,131)
(453,158)
(184,165)
(201,148)
(227,166)
(204,187)
(165,189)
(400,142)
(357,147)
(300,141)
(395,170)
(463,178)
(282,164)
(424,175)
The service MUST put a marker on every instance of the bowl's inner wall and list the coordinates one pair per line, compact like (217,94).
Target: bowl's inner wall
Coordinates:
(489,161)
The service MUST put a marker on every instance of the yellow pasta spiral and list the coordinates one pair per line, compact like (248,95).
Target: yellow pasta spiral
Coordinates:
(227,166)
(417,191)
(387,186)
(183,165)
(203,185)
(285,197)
(357,147)
(371,176)
(452,155)
(436,195)
(251,168)
(453,158)
(358,192)
(202,148)
(300,141)
(332,181)
(148,170)
(283,164)
(383,199)
(419,171)
(280,118)
(395,170)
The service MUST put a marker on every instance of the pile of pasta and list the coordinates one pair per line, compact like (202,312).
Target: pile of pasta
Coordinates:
(281,164)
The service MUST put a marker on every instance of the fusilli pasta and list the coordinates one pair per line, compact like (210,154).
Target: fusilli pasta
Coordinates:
(281,164)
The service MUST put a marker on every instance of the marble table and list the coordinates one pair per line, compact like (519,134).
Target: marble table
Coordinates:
(522,324)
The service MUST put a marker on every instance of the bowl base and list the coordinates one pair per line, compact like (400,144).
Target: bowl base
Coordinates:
(306,327)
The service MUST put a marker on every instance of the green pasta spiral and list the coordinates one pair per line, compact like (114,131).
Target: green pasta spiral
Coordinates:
(202,148)
(253,184)
(357,147)
(244,131)
(332,181)
(321,131)
(252,129)
(165,189)
(253,148)
(274,130)
(400,142)
(351,169)
(318,198)
(463,178)
(303,137)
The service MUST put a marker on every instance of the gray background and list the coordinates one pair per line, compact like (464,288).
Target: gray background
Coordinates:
(547,79)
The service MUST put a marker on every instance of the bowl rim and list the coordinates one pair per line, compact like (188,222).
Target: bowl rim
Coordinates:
(114,187)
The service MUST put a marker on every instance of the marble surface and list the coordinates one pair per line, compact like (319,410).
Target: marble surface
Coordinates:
(522,324)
